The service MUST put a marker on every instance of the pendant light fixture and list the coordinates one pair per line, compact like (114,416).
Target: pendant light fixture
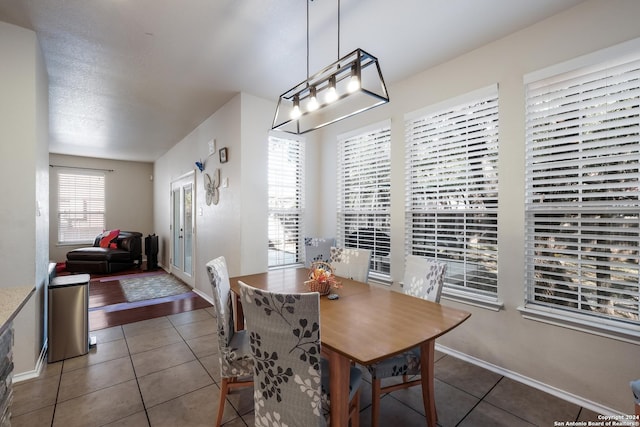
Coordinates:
(351,85)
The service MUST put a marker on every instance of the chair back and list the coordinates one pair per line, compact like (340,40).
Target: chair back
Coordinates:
(424,278)
(284,335)
(351,263)
(317,249)
(231,362)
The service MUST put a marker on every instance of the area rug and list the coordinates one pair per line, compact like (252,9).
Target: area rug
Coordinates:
(151,287)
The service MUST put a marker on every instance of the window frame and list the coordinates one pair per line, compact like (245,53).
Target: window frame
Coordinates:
(427,181)
(564,77)
(377,235)
(97,198)
(283,185)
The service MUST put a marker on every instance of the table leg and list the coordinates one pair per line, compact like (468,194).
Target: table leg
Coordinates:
(339,367)
(427,353)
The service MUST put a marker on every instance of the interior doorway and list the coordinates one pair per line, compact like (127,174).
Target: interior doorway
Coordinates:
(183,228)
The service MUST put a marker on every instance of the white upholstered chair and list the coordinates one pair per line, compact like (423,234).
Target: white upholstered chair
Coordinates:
(291,378)
(317,249)
(234,354)
(423,278)
(351,263)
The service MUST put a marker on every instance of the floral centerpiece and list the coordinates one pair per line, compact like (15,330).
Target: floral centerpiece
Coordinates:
(321,278)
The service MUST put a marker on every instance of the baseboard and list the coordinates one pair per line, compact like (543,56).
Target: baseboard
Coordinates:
(564,395)
(203,295)
(42,360)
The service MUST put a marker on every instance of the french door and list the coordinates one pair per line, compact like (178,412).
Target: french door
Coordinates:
(182,228)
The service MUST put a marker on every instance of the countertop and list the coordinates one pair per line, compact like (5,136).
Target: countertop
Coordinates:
(11,301)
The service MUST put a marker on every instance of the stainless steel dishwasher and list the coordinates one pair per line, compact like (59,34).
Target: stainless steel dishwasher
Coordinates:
(68,317)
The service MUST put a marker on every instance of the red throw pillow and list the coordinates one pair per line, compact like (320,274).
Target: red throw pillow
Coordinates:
(107,237)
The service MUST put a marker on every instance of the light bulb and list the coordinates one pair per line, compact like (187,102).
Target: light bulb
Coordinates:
(295,112)
(331,94)
(354,84)
(312,105)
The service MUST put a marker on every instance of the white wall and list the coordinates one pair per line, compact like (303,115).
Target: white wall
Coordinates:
(593,368)
(237,226)
(24,119)
(256,115)
(314,187)
(128,203)
(218,228)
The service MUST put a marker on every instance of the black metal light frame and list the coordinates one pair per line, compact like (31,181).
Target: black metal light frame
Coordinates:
(296,115)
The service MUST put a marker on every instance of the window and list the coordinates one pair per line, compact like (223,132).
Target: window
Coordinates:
(286,201)
(80,206)
(364,193)
(582,191)
(452,190)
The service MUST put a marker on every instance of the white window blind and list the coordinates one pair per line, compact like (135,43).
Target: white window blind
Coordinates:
(80,206)
(286,201)
(364,193)
(582,192)
(452,190)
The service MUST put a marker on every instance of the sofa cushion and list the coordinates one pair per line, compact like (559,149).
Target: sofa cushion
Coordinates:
(99,254)
(89,254)
(107,237)
(119,255)
(132,242)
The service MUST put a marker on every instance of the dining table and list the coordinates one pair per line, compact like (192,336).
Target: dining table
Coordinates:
(365,324)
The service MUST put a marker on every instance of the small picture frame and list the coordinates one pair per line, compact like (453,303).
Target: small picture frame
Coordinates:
(223,155)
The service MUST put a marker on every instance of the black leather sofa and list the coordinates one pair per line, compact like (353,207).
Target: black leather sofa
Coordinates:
(124,252)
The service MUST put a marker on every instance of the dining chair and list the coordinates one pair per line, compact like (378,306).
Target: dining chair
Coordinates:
(423,278)
(291,377)
(351,263)
(234,354)
(317,249)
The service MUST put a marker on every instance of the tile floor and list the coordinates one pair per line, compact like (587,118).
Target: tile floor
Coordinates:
(164,372)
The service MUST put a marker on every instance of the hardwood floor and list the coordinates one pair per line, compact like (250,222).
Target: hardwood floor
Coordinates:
(105,293)
(108,306)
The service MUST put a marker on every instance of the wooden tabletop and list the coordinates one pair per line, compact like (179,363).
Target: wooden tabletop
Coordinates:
(366,323)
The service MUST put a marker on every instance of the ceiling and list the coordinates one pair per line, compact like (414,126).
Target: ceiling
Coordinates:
(128,79)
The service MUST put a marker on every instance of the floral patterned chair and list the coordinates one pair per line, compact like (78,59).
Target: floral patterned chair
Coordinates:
(351,263)
(234,354)
(317,249)
(291,378)
(423,278)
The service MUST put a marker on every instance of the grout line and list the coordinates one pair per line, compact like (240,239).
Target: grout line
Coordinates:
(135,374)
(55,405)
(580,409)
(480,400)
(496,406)
(196,359)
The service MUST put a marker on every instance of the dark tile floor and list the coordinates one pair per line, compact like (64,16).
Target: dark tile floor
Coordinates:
(164,372)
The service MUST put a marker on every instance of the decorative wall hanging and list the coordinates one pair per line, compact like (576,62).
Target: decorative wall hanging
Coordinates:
(211,187)
(223,155)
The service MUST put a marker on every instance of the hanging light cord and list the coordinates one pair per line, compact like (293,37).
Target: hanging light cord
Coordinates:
(338,29)
(308,34)
(308,38)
